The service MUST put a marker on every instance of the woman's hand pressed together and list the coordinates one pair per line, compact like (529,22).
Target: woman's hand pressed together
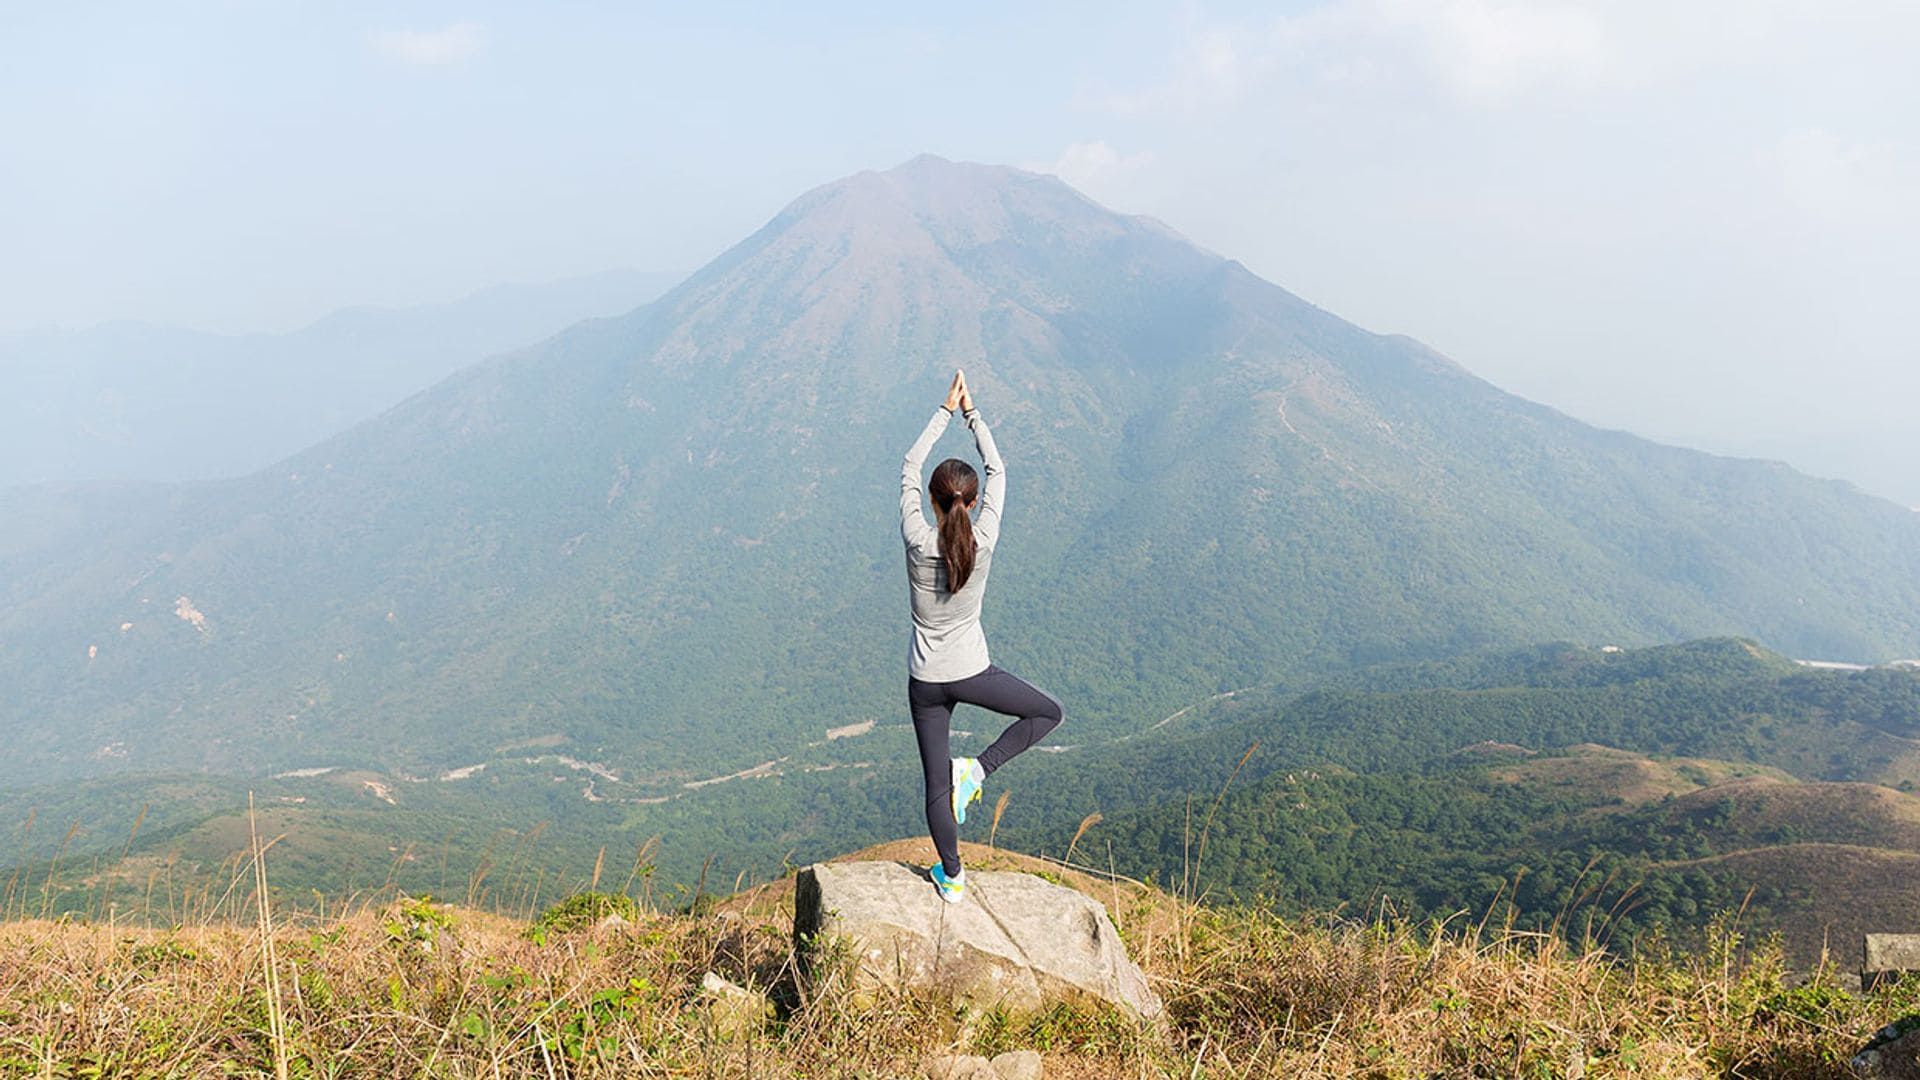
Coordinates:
(957,392)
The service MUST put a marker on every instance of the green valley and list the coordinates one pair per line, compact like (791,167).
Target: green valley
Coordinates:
(1553,786)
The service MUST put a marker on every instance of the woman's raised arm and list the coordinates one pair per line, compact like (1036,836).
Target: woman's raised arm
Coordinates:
(994,497)
(913,520)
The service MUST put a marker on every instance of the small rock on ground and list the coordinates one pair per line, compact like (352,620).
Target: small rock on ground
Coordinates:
(961,1067)
(1013,1065)
(735,1010)
(1018,1065)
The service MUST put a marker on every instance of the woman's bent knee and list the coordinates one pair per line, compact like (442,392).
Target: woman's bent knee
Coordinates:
(1053,716)
(1055,710)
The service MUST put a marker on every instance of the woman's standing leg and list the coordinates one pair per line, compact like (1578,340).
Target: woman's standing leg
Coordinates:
(1037,712)
(932,710)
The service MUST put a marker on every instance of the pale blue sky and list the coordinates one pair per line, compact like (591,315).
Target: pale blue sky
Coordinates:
(1695,220)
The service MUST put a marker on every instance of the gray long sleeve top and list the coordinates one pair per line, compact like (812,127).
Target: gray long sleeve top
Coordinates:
(947,642)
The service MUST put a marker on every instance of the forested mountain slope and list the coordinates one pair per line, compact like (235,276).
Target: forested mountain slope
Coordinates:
(666,542)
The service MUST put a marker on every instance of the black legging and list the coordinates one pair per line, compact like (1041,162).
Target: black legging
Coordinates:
(1001,691)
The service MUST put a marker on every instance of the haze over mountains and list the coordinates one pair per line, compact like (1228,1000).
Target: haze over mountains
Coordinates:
(664,541)
(135,401)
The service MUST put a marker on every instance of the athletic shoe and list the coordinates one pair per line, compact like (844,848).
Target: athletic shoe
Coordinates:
(953,889)
(968,777)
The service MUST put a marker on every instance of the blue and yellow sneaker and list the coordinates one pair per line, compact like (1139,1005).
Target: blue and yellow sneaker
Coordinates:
(952,889)
(968,777)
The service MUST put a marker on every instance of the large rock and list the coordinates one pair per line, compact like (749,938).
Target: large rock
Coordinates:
(1016,941)
(1892,1054)
(1888,957)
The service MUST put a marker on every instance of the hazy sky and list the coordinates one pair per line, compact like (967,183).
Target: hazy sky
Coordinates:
(1696,220)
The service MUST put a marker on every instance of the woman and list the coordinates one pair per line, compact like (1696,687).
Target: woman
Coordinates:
(947,663)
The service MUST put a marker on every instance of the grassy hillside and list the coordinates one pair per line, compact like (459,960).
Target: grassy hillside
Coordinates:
(1721,699)
(1572,846)
(415,987)
(1714,797)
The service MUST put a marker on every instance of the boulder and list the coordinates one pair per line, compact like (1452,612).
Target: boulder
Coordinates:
(1016,942)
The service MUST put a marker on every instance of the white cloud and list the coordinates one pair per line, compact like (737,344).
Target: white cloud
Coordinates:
(1841,179)
(1492,48)
(1211,68)
(430,48)
(1476,51)
(1093,167)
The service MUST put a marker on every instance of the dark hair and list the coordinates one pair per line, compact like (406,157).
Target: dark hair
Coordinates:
(953,486)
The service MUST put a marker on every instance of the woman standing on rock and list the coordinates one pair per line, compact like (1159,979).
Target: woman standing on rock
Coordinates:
(947,663)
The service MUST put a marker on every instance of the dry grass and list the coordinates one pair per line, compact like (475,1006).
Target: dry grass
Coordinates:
(1635,778)
(413,989)
(1286,998)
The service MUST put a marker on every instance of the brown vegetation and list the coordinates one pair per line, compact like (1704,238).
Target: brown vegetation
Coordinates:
(415,988)
(1632,778)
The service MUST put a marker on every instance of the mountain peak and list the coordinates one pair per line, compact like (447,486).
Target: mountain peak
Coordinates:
(924,258)
(925,166)
(960,202)
(931,177)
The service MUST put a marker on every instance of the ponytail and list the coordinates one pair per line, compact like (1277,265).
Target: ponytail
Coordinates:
(956,543)
(952,487)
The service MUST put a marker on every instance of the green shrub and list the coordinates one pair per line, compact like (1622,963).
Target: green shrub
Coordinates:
(582,910)
(416,921)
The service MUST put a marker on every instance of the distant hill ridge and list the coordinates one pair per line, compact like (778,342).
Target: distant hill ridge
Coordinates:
(664,541)
(133,401)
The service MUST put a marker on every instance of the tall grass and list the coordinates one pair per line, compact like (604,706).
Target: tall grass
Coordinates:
(402,986)
(211,973)
(269,964)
